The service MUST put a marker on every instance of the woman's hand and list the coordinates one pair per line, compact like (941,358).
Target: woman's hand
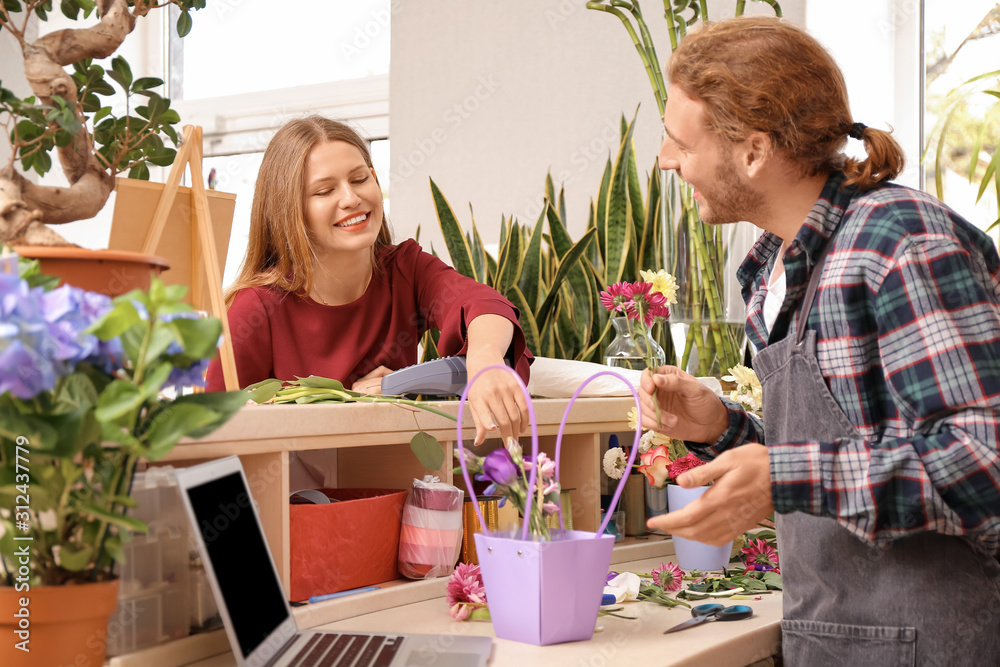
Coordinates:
(371,383)
(688,409)
(496,399)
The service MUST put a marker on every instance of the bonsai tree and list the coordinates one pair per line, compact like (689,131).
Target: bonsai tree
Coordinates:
(70,114)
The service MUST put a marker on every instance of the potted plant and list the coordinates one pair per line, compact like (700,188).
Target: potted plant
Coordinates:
(81,378)
(75,114)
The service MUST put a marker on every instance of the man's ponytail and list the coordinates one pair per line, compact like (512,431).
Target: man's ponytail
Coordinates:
(885,159)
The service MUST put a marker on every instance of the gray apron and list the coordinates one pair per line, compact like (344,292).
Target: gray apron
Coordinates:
(929,599)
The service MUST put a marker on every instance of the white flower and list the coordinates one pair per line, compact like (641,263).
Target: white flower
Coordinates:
(652,439)
(747,401)
(742,375)
(646,441)
(633,419)
(614,462)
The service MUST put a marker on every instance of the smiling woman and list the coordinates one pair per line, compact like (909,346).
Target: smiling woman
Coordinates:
(323,290)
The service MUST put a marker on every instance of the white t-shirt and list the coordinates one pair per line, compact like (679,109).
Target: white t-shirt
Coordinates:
(773,300)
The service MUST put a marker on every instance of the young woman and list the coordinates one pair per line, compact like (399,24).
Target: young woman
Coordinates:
(323,291)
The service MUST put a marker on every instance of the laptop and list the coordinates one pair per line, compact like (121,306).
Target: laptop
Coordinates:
(257,617)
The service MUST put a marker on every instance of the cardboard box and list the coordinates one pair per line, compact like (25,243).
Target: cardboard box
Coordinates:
(345,544)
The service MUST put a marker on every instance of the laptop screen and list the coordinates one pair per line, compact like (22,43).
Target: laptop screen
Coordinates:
(240,560)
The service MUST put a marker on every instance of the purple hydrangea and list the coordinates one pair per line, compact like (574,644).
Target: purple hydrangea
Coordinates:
(26,358)
(42,335)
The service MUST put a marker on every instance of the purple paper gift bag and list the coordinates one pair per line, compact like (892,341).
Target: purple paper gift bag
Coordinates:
(544,592)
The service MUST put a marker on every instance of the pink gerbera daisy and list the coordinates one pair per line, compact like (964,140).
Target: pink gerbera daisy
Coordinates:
(759,555)
(669,577)
(617,297)
(465,585)
(643,301)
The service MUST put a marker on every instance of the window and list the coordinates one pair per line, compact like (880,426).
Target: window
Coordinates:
(961,40)
(334,61)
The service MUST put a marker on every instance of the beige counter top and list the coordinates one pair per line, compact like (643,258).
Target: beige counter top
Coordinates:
(617,641)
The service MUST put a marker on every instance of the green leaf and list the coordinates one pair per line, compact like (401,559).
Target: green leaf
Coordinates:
(114,518)
(121,72)
(145,83)
(601,217)
(156,376)
(566,265)
(198,337)
(183,24)
(618,229)
(531,266)
(173,423)
(162,157)
(561,241)
(458,248)
(118,399)
(139,172)
(263,391)
(320,382)
(526,318)
(37,429)
(116,321)
(224,403)
(427,450)
(73,557)
(509,267)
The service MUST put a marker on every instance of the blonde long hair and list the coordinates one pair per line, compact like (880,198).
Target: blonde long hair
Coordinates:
(279,252)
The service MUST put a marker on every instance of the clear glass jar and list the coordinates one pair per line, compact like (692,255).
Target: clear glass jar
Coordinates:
(628,351)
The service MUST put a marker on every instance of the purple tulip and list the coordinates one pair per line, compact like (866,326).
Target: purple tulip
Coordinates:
(499,468)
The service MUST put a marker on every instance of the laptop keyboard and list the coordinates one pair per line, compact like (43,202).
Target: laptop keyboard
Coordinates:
(336,650)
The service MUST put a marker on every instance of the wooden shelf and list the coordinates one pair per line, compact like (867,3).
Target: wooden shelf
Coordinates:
(367,445)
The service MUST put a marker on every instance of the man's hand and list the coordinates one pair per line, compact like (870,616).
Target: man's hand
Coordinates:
(739,499)
(688,409)
(371,383)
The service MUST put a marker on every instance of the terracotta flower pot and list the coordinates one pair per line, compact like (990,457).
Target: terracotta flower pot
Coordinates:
(63,625)
(111,272)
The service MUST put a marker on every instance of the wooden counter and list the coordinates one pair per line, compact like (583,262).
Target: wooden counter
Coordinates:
(616,641)
(369,445)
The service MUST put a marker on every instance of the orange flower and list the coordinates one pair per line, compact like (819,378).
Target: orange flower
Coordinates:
(656,466)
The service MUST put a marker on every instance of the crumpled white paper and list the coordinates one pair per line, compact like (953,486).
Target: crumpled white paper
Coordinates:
(624,587)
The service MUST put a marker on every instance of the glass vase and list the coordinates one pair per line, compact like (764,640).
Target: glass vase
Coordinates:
(707,322)
(629,350)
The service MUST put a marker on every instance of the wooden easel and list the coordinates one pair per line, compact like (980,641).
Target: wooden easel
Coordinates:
(204,267)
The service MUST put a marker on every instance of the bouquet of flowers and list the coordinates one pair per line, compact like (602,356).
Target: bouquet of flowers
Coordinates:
(645,304)
(507,471)
(662,459)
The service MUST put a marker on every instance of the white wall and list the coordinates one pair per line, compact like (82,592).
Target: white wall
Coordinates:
(487,97)
(877,45)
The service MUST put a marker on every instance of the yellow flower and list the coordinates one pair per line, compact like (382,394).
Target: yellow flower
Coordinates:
(633,419)
(663,283)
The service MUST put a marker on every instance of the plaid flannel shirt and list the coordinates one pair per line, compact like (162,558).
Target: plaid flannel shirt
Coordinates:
(907,317)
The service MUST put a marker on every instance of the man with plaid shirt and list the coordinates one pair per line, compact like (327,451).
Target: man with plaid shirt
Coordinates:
(875,310)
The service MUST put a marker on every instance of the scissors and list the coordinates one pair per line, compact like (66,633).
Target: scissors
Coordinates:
(713,612)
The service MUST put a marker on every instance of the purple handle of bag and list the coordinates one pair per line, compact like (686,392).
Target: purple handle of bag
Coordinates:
(534,447)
